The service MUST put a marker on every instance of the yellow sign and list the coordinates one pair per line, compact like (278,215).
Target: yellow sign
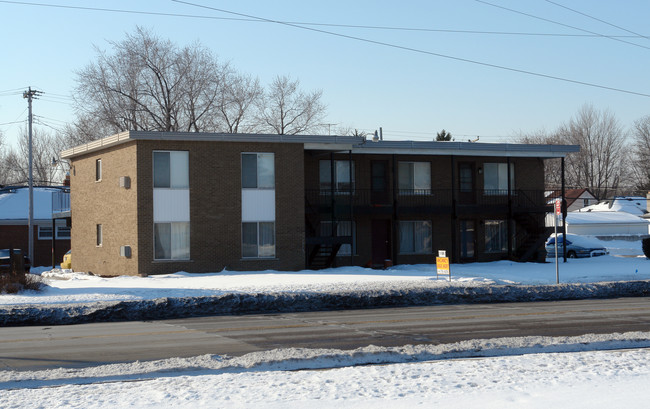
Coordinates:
(442,265)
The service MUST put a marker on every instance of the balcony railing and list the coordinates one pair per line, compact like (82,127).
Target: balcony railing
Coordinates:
(440,199)
(60,202)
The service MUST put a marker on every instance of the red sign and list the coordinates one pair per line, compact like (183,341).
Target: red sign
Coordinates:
(558,206)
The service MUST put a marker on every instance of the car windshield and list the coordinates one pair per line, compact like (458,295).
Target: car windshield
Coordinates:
(559,241)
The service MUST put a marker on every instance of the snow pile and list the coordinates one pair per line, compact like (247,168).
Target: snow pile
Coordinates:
(70,297)
(550,374)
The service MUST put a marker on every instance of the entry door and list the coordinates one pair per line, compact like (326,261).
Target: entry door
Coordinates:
(380,241)
(379,182)
(467,240)
(466,184)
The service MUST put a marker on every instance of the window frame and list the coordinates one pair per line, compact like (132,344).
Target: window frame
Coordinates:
(58,233)
(171,241)
(502,236)
(325,187)
(48,236)
(99,235)
(257,244)
(172,163)
(41,236)
(259,184)
(411,190)
(413,242)
(499,190)
(98,170)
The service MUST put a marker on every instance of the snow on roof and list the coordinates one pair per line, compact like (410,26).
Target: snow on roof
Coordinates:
(632,205)
(604,217)
(14,203)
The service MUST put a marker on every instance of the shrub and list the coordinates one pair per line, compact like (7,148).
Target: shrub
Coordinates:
(645,244)
(12,283)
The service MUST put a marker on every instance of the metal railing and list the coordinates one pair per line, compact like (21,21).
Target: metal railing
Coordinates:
(60,202)
(434,198)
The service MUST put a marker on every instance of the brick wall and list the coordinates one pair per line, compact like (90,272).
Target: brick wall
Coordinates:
(215,207)
(529,175)
(15,236)
(104,202)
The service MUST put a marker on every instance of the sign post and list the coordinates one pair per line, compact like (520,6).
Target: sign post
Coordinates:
(558,211)
(442,265)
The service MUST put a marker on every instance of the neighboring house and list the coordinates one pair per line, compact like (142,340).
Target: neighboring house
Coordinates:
(575,198)
(14,215)
(155,202)
(606,223)
(635,205)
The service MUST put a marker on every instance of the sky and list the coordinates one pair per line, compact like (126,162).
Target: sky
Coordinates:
(488,68)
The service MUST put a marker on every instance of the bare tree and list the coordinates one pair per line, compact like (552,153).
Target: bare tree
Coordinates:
(599,165)
(237,103)
(641,168)
(4,170)
(148,83)
(45,148)
(285,109)
(552,167)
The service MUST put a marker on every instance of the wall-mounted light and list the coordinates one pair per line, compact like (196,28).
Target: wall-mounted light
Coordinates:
(480,171)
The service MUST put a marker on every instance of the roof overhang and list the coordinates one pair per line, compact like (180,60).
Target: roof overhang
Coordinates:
(358,145)
(466,149)
(310,142)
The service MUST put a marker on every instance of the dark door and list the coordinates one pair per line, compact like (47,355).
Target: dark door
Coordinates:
(379,182)
(466,184)
(467,240)
(380,242)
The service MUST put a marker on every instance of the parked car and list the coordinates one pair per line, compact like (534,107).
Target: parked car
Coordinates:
(5,261)
(67,260)
(576,246)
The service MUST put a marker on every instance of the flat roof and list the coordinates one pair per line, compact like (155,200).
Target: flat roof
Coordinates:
(356,144)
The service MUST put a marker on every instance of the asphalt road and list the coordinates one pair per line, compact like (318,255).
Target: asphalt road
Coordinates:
(29,348)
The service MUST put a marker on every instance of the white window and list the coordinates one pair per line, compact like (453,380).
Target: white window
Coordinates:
(344,228)
(172,241)
(98,170)
(171,169)
(171,205)
(414,178)
(258,170)
(44,232)
(496,236)
(63,232)
(495,178)
(415,237)
(343,176)
(258,239)
(100,236)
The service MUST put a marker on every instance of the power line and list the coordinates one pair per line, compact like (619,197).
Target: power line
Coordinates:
(415,50)
(304,23)
(597,19)
(558,23)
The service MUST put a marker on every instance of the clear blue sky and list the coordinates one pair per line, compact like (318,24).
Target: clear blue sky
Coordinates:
(414,84)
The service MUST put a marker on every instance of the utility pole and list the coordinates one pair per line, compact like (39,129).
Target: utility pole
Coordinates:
(31,94)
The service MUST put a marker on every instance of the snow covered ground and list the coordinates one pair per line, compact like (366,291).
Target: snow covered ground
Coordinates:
(591,371)
(625,263)
(531,372)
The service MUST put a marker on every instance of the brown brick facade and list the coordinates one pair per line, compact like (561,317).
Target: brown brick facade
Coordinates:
(105,202)
(126,215)
(215,203)
(529,176)
(15,236)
